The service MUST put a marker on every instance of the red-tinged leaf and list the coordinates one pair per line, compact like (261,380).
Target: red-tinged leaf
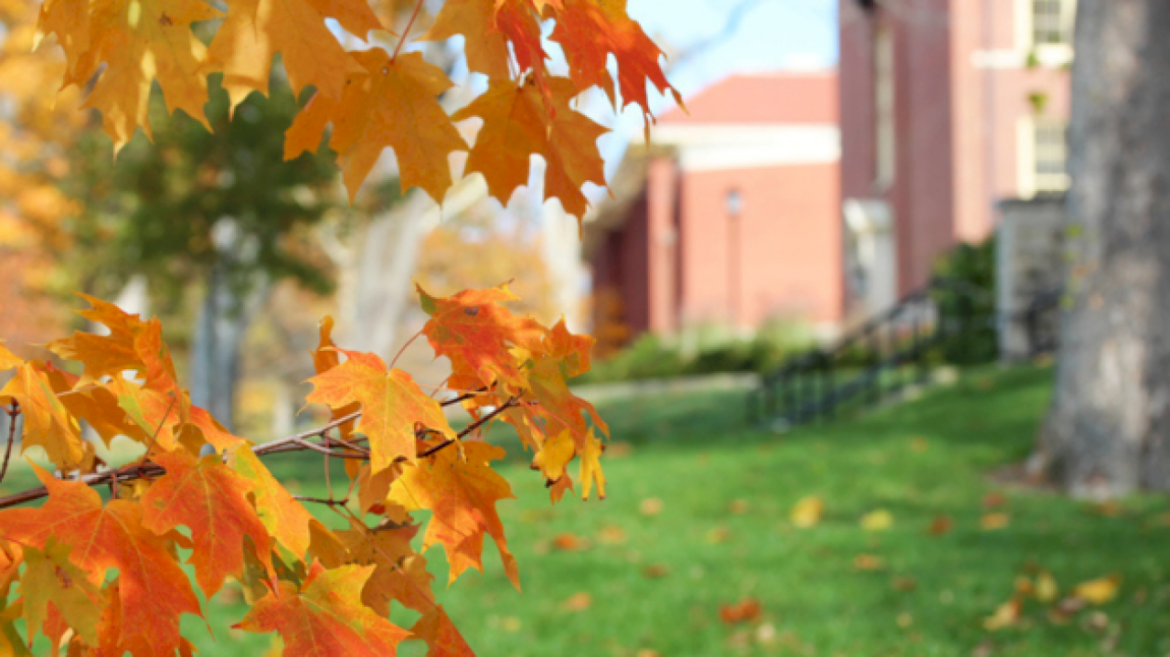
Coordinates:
(153,591)
(286,519)
(475,332)
(207,497)
(393,103)
(155,414)
(48,423)
(461,493)
(518,122)
(441,635)
(325,618)
(392,405)
(589,32)
(256,30)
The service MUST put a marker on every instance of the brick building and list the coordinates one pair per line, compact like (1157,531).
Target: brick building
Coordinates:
(731,216)
(947,106)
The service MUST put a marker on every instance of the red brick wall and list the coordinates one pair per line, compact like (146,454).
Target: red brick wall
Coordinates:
(787,239)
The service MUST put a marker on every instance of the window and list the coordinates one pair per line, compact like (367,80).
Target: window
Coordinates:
(1042,156)
(1051,22)
(1050,155)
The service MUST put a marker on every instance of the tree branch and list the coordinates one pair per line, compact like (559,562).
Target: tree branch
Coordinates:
(295,443)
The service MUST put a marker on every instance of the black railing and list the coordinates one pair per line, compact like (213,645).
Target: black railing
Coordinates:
(890,353)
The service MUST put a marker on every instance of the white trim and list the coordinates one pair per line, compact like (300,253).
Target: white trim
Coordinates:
(1026,157)
(714,147)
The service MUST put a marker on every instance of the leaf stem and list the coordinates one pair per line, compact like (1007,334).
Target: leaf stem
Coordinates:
(406,32)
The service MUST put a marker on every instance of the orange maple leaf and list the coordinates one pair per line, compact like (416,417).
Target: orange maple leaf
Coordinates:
(325,617)
(589,32)
(138,41)
(48,423)
(392,103)
(392,405)
(256,30)
(211,500)
(285,519)
(485,47)
(462,494)
(517,124)
(441,635)
(475,332)
(8,360)
(154,591)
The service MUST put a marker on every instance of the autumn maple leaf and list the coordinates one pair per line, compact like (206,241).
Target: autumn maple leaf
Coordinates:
(392,405)
(325,617)
(138,42)
(392,103)
(462,494)
(256,30)
(154,591)
(518,124)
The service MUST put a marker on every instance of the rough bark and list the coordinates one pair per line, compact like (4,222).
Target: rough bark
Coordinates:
(1106,433)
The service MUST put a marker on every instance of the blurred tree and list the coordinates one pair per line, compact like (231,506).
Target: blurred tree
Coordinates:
(1108,431)
(238,219)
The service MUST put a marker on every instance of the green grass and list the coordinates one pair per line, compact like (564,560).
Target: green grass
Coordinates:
(723,534)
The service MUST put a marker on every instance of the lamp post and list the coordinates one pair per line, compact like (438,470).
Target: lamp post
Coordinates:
(734,205)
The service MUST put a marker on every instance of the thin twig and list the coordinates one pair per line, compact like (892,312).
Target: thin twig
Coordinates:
(328,452)
(412,338)
(318,500)
(471,427)
(13,413)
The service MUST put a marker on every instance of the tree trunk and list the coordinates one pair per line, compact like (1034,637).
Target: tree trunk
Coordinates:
(219,332)
(1106,433)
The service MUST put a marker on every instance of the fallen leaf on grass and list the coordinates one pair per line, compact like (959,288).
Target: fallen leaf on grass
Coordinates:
(993,521)
(648,653)
(577,602)
(993,500)
(1098,591)
(1109,509)
(650,506)
(903,584)
(738,507)
(939,526)
(904,620)
(744,611)
(1006,615)
(986,648)
(807,512)
(876,521)
(869,562)
(611,535)
(655,570)
(919,444)
(570,542)
(766,634)
(718,535)
(1045,588)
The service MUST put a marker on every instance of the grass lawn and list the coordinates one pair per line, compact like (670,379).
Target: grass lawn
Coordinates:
(641,583)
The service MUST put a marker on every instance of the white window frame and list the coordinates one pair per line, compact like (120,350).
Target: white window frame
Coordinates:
(1047,54)
(1029,181)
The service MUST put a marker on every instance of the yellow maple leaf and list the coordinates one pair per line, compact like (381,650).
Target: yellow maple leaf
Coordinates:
(392,103)
(48,423)
(256,30)
(1098,591)
(807,512)
(876,521)
(138,41)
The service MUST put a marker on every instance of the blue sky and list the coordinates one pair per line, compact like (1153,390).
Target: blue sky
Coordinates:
(774,34)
